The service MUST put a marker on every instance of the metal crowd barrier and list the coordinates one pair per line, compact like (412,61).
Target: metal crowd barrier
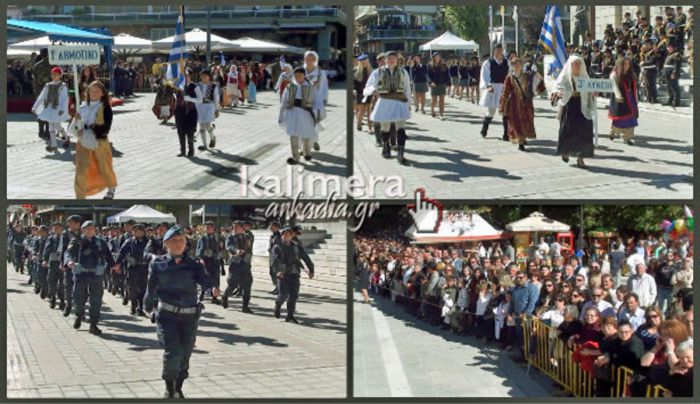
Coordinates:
(546,352)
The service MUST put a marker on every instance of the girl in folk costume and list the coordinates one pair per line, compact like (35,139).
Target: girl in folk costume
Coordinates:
(52,106)
(87,76)
(516,103)
(93,152)
(285,77)
(243,82)
(252,83)
(207,100)
(164,105)
(576,112)
(393,87)
(318,79)
(298,116)
(623,106)
(186,115)
(232,90)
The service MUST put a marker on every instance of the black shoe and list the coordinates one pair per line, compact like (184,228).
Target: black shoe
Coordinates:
(77,322)
(274,291)
(246,309)
(42,294)
(37,290)
(168,394)
(212,143)
(521,147)
(307,158)
(202,147)
(629,142)
(224,302)
(125,300)
(133,310)
(317,147)
(61,306)
(291,161)
(141,313)
(94,330)
(278,309)
(52,303)
(67,310)
(565,159)
(182,154)
(191,152)
(291,319)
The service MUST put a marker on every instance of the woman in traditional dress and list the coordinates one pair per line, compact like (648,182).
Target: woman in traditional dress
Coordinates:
(317,77)
(623,106)
(232,89)
(93,152)
(576,112)
(516,103)
(284,79)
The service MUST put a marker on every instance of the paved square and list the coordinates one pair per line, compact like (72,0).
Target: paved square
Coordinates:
(450,159)
(145,160)
(236,355)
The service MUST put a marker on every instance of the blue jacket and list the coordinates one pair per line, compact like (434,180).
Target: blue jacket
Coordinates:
(524,299)
(173,283)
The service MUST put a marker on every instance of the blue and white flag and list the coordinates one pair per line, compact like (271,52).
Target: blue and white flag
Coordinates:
(223,58)
(552,39)
(178,53)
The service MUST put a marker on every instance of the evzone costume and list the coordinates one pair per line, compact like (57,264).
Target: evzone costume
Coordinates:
(52,106)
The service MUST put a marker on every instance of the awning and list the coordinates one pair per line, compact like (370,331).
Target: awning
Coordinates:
(197,39)
(450,41)
(537,222)
(248,44)
(141,214)
(57,32)
(455,227)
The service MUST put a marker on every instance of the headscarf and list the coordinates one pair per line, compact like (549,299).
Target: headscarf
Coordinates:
(565,86)
(233,72)
(313,53)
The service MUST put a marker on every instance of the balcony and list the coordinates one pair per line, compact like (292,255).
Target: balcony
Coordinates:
(377,34)
(170,16)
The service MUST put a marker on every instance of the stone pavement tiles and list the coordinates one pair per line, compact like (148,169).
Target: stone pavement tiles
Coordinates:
(236,355)
(451,160)
(145,160)
(396,355)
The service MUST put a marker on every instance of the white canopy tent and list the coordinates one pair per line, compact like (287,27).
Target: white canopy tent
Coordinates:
(197,39)
(455,227)
(122,42)
(18,54)
(248,44)
(537,222)
(449,41)
(141,214)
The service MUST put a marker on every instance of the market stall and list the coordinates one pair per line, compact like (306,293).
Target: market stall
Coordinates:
(463,228)
(527,231)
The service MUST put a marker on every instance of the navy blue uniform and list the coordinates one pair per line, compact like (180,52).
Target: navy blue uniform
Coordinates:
(91,257)
(286,260)
(275,239)
(55,247)
(18,249)
(68,272)
(136,269)
(172,287)
(209,252)
(240,276)
(40,271)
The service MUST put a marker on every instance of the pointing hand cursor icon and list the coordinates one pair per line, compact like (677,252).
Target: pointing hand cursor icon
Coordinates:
(426,212)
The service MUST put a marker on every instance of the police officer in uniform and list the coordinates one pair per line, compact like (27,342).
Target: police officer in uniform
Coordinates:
(89,257)
(56,246)
(131,255)
(672,71)
(18,236)
(240,248)
(40,270)
(286,259)
(155,246)
(73,232)
(275,238)
(172,290)
(209,254)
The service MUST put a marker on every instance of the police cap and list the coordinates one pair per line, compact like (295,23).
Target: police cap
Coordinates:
(172,232)
(75,219)
(87,224)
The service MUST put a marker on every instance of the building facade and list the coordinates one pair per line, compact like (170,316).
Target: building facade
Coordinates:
(400,28)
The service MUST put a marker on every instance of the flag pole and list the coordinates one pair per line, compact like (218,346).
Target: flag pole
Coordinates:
(490,29)
(517,17)
(182,53)
(503,28)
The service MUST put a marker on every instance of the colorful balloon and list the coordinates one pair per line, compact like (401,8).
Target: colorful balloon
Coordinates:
(666,225)
(679,225)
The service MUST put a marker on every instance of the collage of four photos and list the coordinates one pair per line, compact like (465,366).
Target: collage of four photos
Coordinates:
(349,202)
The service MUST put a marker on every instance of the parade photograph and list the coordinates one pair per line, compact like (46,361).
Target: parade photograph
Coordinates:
(174,301)
(524,301)
(526,102)
(139,102)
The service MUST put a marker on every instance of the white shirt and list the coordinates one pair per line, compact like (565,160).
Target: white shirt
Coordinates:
(632,262)
(645,287)
(482,303)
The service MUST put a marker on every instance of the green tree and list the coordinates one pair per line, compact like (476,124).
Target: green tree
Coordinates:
(471,22)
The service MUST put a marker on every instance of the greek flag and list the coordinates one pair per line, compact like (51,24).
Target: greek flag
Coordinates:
(178,53)
(552,39)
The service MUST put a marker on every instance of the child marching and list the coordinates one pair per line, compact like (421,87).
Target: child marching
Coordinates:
(207,108)
(52,106)
(297,114)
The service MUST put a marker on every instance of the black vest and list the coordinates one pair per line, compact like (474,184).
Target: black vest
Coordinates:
(498,72)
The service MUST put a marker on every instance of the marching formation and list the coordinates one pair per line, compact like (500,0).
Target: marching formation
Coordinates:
(195,105)
(631,56)
(162,273)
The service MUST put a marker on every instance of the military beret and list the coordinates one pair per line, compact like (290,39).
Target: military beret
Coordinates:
(140,226)
(172,232)
(75,218)
(88,223)
(363,57)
